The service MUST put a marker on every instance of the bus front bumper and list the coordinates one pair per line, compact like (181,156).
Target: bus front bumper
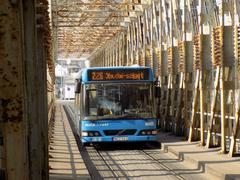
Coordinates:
(118,139)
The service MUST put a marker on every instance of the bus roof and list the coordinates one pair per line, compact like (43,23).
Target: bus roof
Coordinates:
(117,74)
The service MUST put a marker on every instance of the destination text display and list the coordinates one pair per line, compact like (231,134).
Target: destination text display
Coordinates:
(109,75)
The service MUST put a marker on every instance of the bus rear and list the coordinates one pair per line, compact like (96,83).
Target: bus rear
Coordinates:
(117,104)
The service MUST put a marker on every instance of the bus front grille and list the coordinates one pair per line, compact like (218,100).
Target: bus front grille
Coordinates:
(119,132)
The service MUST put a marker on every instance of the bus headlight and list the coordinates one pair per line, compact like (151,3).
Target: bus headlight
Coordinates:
(148,132)
(84,133)
(154,132)
(91,133)
(96,133)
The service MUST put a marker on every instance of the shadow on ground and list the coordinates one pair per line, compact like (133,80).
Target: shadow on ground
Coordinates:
(127,146)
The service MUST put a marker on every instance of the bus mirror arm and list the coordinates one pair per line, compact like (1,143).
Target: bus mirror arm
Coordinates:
(78,86)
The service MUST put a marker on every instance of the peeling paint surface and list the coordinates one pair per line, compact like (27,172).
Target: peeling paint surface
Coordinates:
(11,86)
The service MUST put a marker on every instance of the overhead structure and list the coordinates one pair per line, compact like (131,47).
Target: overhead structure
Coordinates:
(83,27)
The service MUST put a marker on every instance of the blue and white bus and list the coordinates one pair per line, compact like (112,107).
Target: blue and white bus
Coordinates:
(116,104)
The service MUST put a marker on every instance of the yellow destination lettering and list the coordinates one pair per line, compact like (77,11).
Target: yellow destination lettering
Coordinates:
(101,75)
(97,76)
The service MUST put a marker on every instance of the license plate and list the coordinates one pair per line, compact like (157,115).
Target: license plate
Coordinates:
(120,138)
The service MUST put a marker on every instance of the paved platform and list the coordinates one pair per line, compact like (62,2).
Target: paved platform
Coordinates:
(65,161)
(208,161)
(187,159)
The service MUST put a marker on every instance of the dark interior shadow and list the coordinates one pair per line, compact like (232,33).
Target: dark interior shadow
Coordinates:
(232,177)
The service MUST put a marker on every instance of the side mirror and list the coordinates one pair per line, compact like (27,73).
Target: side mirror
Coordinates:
(78,86)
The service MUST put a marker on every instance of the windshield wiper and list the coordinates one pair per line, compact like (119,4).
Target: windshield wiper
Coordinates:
(108,116)
(128,115)
(133,115)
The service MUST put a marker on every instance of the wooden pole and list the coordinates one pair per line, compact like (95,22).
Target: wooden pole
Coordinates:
(222,86)
(213,106)
(194,105)
(202,71)
(222,90)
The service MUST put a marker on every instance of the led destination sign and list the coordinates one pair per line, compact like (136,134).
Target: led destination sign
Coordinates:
(111,75)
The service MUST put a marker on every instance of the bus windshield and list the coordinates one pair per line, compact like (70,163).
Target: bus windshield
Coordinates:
(117,101)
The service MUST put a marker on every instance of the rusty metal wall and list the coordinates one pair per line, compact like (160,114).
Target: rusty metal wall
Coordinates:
(12,114)
(26,59)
